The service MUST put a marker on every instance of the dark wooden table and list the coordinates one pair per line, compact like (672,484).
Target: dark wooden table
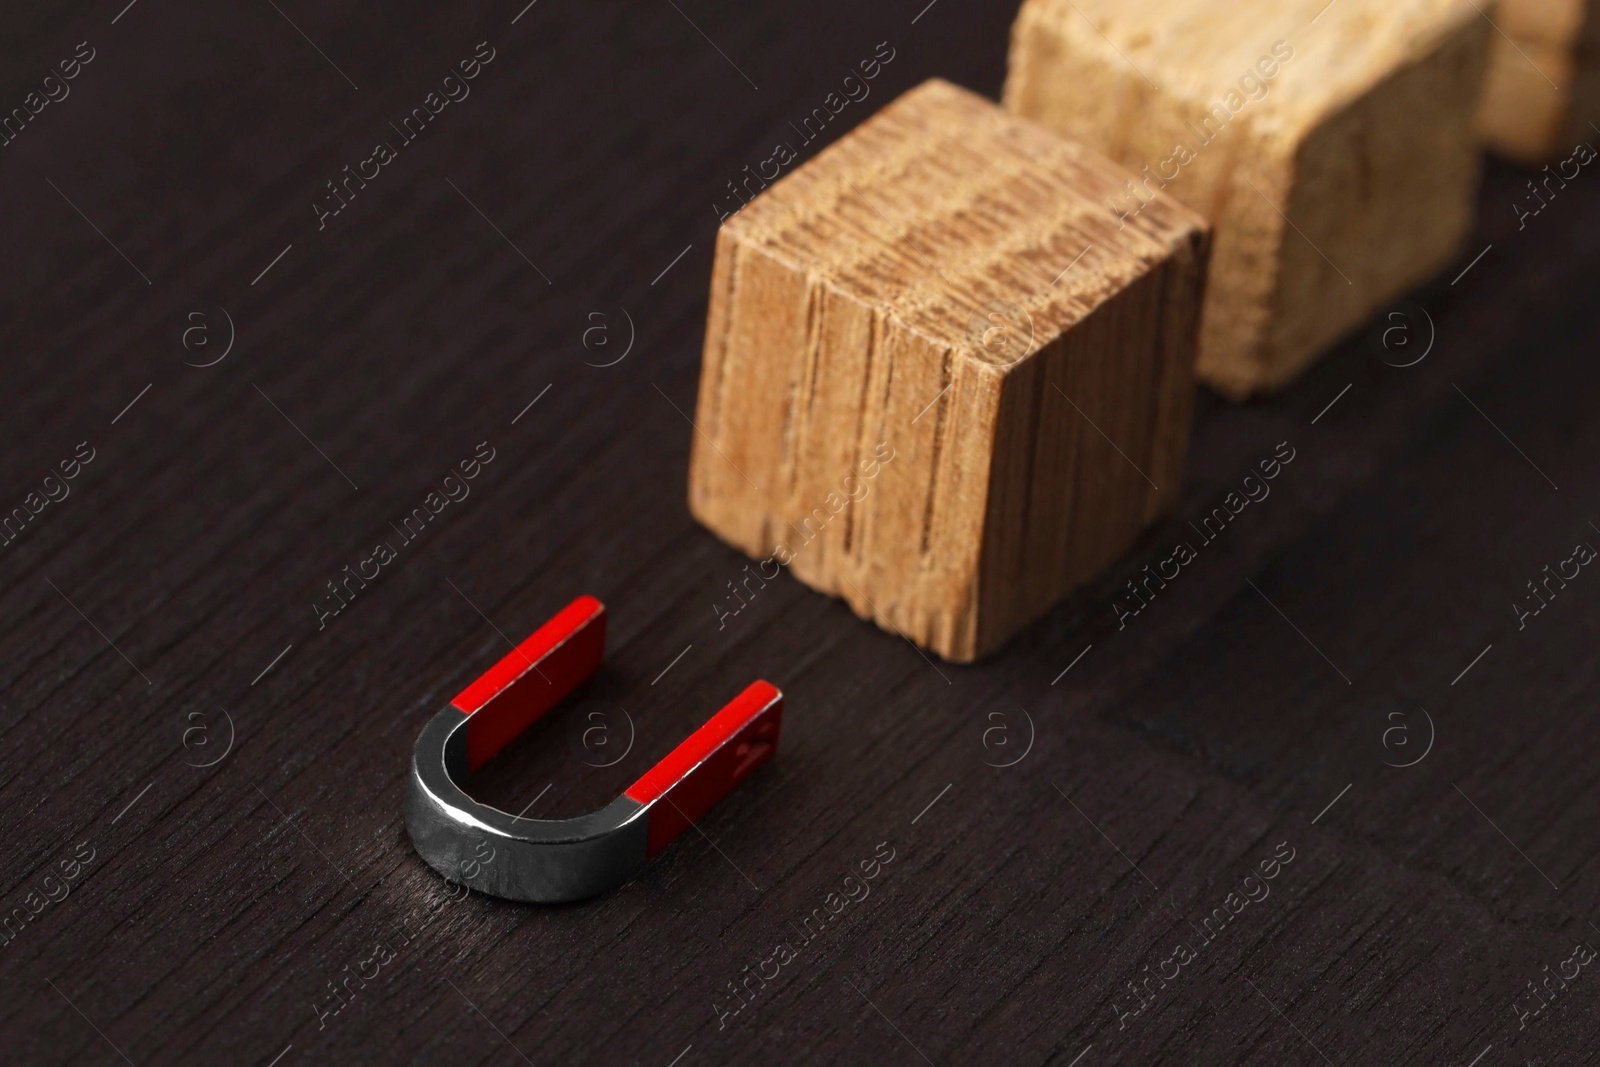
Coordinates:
(202,771)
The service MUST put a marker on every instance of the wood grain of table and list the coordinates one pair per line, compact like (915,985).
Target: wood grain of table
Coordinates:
(1357,618)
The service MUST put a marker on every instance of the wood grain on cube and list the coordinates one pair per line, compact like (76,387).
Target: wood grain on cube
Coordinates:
(1332,146)
(1542,95)
(925,348)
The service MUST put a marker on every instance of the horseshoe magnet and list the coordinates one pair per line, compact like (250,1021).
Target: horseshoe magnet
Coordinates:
(551,860)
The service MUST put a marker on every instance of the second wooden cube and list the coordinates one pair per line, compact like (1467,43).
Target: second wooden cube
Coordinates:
(1331,144)
(940,380)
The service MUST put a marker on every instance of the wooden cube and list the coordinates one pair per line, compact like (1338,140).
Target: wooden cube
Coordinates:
(1543,89)
(940,380)
(1331,145)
